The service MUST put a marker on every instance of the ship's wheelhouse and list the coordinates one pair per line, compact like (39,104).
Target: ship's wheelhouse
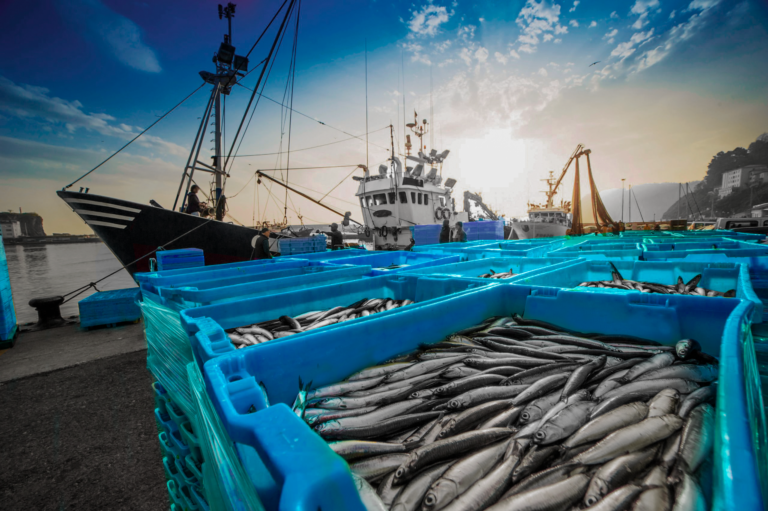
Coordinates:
(550,217)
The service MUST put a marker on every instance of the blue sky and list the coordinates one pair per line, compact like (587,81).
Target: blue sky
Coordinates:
(511,86)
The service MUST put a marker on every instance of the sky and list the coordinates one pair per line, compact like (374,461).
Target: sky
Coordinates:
(654,87)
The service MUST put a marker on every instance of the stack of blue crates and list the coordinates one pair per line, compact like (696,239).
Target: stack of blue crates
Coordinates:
(485,230)
(293,246)
(7,312)
(182,258)
(110,307)
(426,234)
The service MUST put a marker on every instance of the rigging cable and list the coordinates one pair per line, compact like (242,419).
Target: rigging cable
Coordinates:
(292,73)
(136,137)
(313,147)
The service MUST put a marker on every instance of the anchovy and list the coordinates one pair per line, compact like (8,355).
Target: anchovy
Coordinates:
(564,423)
(580,375)
(330,429)
(606,405)
(446,448)
(488,489)
(697,373)
(315,416)
(689,496)
(471,417)
(415,439)
(373,372)
(653,363)
(502,419)
(343,388)
(511,333)
(254,330)
(616,473)
(545,478)
(527,352)
(631,438)
(375,415)
(516,362)
(541,387)
(420,368)
(413,493)
(394,385)
(533,375)
(578,341)
(606,424)
(554,497)
(484,394)
(462,475)
(610,383)
(697,439)
(386,491)
(682,386)
(695,398)
(533,459)
(663,403)
(372,468)
(371,501)
(532,324)
(458,386)
(618,499)
(535,410)
(351,449)
(460,372)
(687,348)
(655,498)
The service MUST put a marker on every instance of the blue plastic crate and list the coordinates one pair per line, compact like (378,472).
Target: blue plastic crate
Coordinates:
(206,325)
(485,230)
(332,255)
(380,261)
(719,324)
(109,307)
(718,276)
(158,276)
(751,251)
(182,258)
(620,251)
(473,269)
(520,249)
(440,248)
(267,283)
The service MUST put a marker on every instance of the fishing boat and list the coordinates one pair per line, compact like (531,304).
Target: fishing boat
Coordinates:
(544,220)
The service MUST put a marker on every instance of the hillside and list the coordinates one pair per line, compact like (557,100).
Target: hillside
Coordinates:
(31,223)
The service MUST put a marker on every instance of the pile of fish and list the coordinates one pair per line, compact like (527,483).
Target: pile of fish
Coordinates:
(285,325)
(494,275)
(681,288)
(517,414)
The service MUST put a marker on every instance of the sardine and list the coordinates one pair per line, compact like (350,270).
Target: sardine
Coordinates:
(540,388)
(618,499)
(314,416)
(653,363)
(352,449)
(663,403)
(536,409)
(682,386)
(517,362)
(413,493)
(545,478)
(331,429)
(372,469)
(609,383)
(471,417)
(606,405)
(630,439)
(534,458)
(373,372)
(697,439)
(697,397)
(606,424)
(564,424)
(533,375)
(484,394)
(580,375)
(502,419)
(697,373)
(420,368)
(616,473)
(458,386)
(554,497)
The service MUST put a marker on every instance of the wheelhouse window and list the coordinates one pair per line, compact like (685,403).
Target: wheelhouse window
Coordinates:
(419,198)
(391,197)
(442,200)
(426,199)
(368,200)
(403,198)
(379,199)
(413,197)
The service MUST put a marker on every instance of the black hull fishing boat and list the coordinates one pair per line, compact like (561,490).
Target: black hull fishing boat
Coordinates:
(131,231)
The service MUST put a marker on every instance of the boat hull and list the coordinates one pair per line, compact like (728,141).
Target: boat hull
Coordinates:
(131,231)
(529,230)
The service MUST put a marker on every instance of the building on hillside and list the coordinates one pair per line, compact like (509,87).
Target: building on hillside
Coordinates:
(747,175)
(760,210)
(10,229)
(758,174)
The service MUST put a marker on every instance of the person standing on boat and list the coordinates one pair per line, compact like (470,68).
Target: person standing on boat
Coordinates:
(445,232)
(193,203)
(460,236)
(261,250)
(337,239)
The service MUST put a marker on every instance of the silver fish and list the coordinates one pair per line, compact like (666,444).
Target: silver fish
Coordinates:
(631,438)
(656,498)
(536,409)
(373,372)
(580,375)
(413,493)
(554,497)
(331,429)
(502,419)
(610,383)
(339,389)
(699,374)
(564,424)
(484,394)
(695,398)
(373,468)
(689,496)
(314,416)
(671,448)
(697,438)
(470,417)
(462,475)
(653,363)
(606,424)
(371,501)
(375,415)
(541,387)
(420,368)
(351,449)
(618,499)
(387,491)
(682,386)
(545,478)
(616,473)
(663,403)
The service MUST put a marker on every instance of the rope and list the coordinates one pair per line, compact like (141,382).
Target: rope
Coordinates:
(83,289)
(134,138)
(313,147)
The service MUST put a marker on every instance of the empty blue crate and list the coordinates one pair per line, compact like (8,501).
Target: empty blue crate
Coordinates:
(182,258)
(622,251)
(110,307)
(520,266)
(389,262)
(237,382)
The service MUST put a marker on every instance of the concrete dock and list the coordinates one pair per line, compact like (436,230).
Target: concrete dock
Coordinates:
(77,422)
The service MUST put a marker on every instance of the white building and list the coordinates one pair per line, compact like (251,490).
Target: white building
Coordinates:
(760,210)
(733,179)
(10,230)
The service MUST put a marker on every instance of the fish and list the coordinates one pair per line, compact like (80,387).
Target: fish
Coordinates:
(696,441)
(462,475)
(698,373)
(344,388)
(484,394)
(653,363)
(458,386)
(534,458)
(618,499)
(315,416)
(695,398)
(331,429)
(533,375)
(381,370)
(561,495)
(536,409)
(545,478)
(607,423)
(387,491)
(611,382)
(471,417)
(655,498)
(616,473)
(663,403)
(371,501)
(580,375)
(606,405)
(372,469)
(412,494)
(420,368)
(686,348)
(540,388)
(502,419)
(689,496)
(682,386)
(446,448)
(564,423)
(352,449)
(630,439)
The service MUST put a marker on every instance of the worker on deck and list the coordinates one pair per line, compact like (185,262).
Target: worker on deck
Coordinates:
(261,246)
(194,207)
(445,232)
(337,239)
(460,236)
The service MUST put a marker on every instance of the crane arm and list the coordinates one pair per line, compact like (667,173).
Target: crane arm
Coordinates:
(575,153)
(277,181)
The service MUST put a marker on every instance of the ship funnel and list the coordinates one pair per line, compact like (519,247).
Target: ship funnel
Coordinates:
(418,170)
(383,170)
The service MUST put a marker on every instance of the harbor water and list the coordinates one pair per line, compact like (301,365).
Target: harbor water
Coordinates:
(50,270)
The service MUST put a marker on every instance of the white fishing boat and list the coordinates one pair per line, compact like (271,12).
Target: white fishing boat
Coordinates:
(544,220)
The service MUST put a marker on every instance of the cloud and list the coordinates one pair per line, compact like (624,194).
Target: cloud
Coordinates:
(611,33)
(643,6)
(614,15)
(641,22)
(625,49)
(593,24)
(575,4)
(417,53)
(501,58)
(35,103)
(441,47)
(542,72)
(466,56)
(481,54)
(573,23)
(672,14)
(467,33)
(427,21)
(677,34)
(535,19)
(514,54)
(557,41)
(548,37)
(116,33)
